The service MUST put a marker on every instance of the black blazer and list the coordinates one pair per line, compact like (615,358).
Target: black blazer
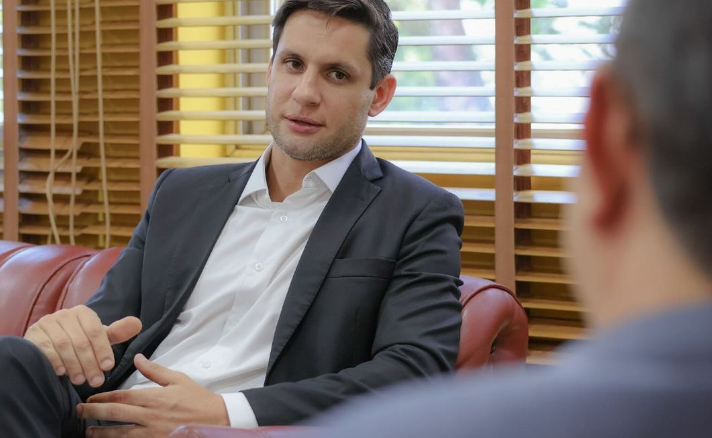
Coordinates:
(374,298)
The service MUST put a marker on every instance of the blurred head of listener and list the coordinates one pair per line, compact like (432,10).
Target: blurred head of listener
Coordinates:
(641,255)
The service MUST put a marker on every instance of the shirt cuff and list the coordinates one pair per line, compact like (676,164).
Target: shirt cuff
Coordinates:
(239,411)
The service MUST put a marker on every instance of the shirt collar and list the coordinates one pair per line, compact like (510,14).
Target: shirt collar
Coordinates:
(330,173)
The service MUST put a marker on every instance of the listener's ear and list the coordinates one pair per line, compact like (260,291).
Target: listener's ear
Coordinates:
(608,153)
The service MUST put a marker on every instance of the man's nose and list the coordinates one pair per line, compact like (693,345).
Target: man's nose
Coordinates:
(307,90)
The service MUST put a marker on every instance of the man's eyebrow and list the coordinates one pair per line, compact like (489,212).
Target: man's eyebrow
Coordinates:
(346,66)
(289,54)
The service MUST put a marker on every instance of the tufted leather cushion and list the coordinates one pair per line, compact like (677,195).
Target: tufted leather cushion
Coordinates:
(32,280)
(494,325)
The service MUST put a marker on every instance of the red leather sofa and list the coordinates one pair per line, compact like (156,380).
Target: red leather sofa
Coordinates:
(36,280)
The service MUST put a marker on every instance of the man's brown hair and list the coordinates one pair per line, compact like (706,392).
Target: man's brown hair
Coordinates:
(374,15)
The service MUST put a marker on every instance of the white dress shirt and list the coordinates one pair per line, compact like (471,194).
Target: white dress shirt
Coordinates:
(223,337)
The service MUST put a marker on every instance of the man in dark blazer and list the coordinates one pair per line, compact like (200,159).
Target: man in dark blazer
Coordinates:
(641,254)
(373,299)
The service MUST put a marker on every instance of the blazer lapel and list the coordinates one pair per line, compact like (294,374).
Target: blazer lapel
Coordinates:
(351,198)
(214,206)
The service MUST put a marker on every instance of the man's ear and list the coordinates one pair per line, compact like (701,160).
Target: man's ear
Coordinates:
(607,159)
(383,95)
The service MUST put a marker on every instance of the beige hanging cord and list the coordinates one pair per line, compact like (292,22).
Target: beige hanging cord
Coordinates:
(102,145)
(74,74)
(52,124)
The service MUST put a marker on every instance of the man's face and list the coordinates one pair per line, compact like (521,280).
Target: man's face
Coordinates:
(318,97)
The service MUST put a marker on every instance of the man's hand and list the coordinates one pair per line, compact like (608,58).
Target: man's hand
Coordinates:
(155,412)
(78,344)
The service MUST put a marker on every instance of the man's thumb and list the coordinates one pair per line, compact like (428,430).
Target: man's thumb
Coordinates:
(123,329)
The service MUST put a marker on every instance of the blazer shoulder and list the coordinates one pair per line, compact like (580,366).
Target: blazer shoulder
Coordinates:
(191,177)
(399,180)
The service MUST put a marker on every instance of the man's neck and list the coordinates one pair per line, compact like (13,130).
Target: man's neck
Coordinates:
(285,174)
(649,274)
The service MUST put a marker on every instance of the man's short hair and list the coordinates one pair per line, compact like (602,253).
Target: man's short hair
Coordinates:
(374,15)
(664,64)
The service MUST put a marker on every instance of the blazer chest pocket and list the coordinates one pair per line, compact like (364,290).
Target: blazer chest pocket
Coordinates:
(373,268)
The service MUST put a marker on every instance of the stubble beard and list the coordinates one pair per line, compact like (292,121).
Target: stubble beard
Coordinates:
(317,150)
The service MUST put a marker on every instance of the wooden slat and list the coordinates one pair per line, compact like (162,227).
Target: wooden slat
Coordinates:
(542,356)
(45,230)
(477,247)
(108,48)
(174,93)
(568,12)
(177,69)
(478,272)
(552,92)
(41,164)
(36,184)
(566,39)
(546,170)
(67,97)
(174,46)
(544,197)
(115,186)
(115,230)
(549,304)
(557,65)
(568,118)
(41,208)
(540,224)
(539,251)
(62,6)
(40,119)
(234,20)
(107,71)
(472,194)
(62,28)
(543,277)
(550,145)
(479,221)
(63,141)
(545,329)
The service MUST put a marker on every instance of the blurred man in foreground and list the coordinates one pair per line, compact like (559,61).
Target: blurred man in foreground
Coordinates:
(641,253)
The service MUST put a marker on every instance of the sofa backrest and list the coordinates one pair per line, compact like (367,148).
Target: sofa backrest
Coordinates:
(37,280)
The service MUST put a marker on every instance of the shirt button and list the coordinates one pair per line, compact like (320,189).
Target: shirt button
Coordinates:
(259,266)
(206,364)
(283,219)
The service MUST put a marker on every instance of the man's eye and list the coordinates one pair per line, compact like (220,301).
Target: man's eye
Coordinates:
(293,64)
(338,75)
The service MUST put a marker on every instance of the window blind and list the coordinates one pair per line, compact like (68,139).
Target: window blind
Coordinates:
(77,97)
(439,125)
(558,45)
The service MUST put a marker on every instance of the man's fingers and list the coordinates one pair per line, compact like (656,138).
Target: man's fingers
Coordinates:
(112,412)
(123,329)
(64,347)
(96,332)
(38,337)
(155,372)
(84,351)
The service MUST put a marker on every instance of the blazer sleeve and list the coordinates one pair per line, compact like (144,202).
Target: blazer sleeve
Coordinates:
(119,294)
(418,327)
